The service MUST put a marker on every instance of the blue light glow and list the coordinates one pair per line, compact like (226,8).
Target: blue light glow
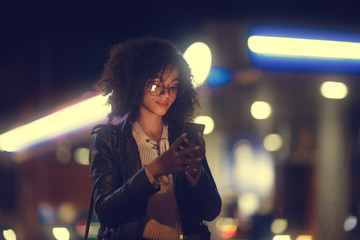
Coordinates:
(317,50)
(218,76)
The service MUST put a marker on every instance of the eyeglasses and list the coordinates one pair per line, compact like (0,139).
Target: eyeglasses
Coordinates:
(157,88)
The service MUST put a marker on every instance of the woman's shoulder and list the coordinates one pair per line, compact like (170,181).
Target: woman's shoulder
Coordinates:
(104,129)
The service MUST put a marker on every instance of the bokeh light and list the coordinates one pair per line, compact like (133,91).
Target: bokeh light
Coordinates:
(282,237)
(334,90)
(199,58)
(279,225)
(81,156)
(248,203)
(67,212)
(299,47)
(304,237)
(273,142)
(207,121)
(350,223)
(46,213)
(61,122)
(63,153)
(61,233)
(227,227)
(253,169)
(260,110)
(218,77)
(9,234)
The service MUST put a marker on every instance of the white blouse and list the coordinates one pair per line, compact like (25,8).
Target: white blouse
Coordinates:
(162,220)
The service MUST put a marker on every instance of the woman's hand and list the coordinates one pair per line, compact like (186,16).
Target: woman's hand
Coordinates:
(171,161)
(179,158)
(197,155)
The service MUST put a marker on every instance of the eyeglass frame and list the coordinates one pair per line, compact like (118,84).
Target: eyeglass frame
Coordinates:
(152,82)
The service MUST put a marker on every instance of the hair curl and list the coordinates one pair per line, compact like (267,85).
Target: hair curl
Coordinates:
(131,64)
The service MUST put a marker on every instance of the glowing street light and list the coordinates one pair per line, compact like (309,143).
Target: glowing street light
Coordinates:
(9,234)
(273,142)
(260,110)
(334,90)
(301,47)
(69,119)
(61,233)
(198,56)
(207,121)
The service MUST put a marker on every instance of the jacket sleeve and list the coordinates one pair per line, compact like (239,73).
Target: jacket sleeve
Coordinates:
(116,201)
(206,196)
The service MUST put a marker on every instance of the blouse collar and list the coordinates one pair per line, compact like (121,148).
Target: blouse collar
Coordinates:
(140,135)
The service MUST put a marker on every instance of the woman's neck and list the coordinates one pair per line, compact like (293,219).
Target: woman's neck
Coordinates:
(152,126)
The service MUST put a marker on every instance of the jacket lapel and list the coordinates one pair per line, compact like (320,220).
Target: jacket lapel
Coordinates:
(132,161)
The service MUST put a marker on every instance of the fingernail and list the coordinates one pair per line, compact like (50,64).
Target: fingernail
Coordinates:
(184,134)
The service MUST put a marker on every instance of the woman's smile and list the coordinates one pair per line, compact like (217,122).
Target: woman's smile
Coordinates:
(162,104)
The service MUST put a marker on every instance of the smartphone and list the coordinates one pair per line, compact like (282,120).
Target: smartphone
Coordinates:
(192,132)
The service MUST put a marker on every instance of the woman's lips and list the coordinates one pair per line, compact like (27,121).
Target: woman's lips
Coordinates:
(162,104)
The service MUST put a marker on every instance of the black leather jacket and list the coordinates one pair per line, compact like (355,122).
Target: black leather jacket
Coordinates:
(122,188)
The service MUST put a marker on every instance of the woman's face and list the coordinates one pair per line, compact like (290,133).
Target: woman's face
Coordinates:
(160,93)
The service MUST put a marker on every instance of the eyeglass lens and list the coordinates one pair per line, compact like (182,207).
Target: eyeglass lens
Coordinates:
(156,89)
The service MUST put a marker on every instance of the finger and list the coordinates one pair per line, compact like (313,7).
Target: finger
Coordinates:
(195,163)
(201,141)
(178,141)
(202,146)
(183,161)
(188,152)
(189,143)
(193,171)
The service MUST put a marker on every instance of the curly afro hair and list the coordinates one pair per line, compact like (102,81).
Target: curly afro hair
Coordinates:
(128,68)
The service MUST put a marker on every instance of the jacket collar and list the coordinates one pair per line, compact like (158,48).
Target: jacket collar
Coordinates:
(125,127)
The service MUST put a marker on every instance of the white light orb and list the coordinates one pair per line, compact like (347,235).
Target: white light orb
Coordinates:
(273,142)
(81,156)
(61,233)
(208,122)
(260,110)
(334,90)
(9,234)
(198,56)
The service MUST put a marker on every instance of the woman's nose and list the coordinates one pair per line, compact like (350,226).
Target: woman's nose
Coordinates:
(165,91)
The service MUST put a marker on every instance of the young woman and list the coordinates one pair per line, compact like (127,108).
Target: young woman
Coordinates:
(150,180)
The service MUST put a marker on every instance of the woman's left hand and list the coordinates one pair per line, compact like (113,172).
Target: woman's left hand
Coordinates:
(195,153)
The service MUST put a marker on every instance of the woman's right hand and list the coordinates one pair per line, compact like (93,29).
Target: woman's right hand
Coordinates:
(170,161)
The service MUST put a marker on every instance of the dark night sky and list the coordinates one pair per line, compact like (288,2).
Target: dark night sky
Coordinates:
(50,53)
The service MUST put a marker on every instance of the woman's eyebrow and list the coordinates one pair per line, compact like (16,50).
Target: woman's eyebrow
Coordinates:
(171,81)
